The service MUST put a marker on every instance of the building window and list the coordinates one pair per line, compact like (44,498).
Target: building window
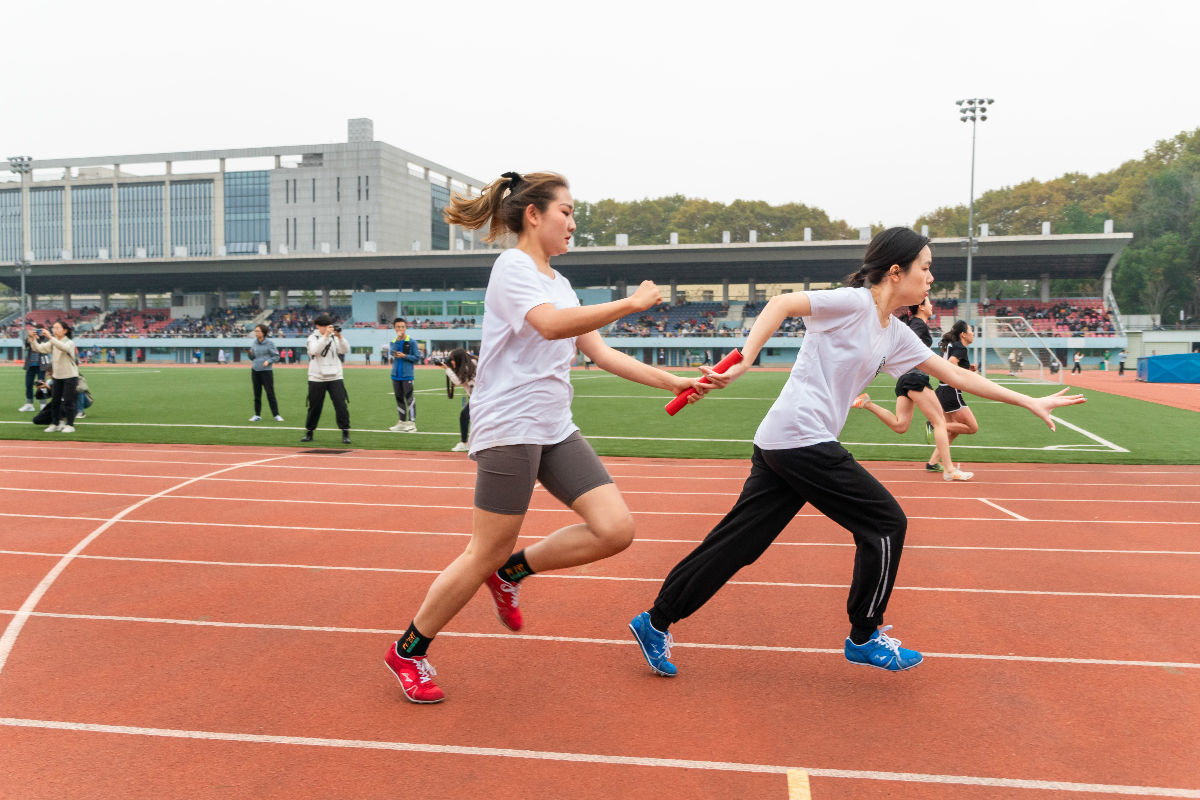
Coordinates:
(91,220)
(11,233)
(46,222)
(368,191)
(191,216)
(368,227)
(360,233)
(339,233)
(314,180)
(247,211)
(339,190)
(360,188)
(140,219)
(287,192)
(440,233)
(314,238)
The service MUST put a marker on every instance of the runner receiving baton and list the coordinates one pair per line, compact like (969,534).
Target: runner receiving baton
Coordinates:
(797,458)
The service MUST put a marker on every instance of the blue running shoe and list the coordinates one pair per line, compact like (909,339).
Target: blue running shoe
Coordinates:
(882,651)
(656,645)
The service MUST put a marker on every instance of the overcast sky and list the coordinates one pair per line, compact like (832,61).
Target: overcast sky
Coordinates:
(844,106)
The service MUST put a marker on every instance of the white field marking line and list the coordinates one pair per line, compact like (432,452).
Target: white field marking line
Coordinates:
(471,487)
(640,539)
(1107,662)
(601,758)
(1114,447)
(605,578)
(1002,508)
(13,630)
(263,427)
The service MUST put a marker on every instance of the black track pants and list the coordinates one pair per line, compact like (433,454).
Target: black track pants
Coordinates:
(780,483)
(316,401)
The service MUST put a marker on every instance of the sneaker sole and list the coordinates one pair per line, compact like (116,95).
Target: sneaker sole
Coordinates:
(886,669)
(657,671)
(401,682)
(505,624)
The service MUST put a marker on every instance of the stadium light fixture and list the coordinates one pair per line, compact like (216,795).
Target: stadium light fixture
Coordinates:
(22,165)
(973,110)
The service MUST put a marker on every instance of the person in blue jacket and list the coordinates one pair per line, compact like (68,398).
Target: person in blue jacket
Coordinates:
(404,356)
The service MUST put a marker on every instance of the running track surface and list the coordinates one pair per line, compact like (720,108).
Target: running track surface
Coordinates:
(211,622)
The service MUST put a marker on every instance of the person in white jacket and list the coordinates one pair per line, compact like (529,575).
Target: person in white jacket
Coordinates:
(325,345)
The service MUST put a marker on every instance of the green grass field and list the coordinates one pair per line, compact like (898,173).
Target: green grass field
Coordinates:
(211,405)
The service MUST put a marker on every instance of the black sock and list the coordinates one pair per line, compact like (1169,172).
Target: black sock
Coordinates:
(861,634)
(413,644)
(515,569)
(659,620)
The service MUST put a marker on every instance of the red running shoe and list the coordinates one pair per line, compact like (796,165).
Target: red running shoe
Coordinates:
(415,676)
(504,597)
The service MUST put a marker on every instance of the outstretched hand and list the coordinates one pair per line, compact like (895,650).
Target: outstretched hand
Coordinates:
(1043,406)
(710,380)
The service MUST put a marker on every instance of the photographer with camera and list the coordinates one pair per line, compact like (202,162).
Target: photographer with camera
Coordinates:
(326,346)
(63,366)
(460,371)
(35,369)
(404,354)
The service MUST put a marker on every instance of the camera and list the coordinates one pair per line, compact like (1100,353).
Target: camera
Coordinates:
(438,362)
(337,328)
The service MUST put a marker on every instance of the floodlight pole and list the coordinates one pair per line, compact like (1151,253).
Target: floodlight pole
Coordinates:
(973,110)
(21,165)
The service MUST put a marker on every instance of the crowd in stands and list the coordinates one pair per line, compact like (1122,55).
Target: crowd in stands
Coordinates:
(1077,317)
(127,322)
(683,319)
(220,322)
(298,320)
(414,322)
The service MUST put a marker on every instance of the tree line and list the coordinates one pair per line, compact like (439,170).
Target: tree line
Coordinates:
(1156,197)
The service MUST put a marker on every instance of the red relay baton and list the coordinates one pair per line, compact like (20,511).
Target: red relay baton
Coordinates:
(732,357)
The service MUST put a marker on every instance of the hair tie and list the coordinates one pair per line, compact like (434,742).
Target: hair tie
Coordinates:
(514,180)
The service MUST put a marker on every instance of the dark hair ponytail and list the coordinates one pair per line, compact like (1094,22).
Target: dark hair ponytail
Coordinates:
(954,334)
(893,246)
(502,204)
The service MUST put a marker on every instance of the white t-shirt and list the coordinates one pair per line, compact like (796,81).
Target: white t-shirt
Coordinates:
(523,383)
(844,349)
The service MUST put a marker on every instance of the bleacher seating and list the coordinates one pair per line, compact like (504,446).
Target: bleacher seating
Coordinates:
(298,320)
(684,319)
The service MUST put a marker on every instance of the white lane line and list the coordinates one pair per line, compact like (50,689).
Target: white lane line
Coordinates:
(606,578)
(640,539)
(428,506)
(1002,508)
(838,651)
(1064,448)
(9,638)
(470,487)
(600,758)
(376,458)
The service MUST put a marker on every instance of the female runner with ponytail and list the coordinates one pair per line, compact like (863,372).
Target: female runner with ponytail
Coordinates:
(797,459)
(522,430)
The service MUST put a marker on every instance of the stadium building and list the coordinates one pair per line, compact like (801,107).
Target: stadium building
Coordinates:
(360,196)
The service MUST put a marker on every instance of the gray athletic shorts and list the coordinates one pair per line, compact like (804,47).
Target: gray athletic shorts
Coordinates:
(506,475)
